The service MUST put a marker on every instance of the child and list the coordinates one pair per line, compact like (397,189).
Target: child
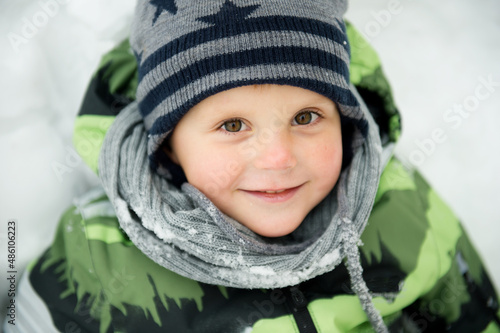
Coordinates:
(250,187)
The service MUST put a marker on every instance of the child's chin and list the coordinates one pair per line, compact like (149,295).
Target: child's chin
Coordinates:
(274,230)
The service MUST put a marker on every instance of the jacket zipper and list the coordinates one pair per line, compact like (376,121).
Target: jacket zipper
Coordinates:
(297,304)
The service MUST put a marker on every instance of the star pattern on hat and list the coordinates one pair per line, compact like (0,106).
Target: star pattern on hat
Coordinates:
(229,9)
(161,5)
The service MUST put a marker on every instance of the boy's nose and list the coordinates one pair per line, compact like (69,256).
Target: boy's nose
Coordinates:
(275,152)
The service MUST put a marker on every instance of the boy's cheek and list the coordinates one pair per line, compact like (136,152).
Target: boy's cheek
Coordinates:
(324,155)
(324,163)
(215,175)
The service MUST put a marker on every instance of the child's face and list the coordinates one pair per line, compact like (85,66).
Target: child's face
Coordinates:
(265,155)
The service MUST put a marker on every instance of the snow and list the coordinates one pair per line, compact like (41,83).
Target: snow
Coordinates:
(329,259)
(262,270)
(437,56)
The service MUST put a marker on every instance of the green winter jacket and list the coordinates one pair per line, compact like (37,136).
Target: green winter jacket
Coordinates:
(424,273)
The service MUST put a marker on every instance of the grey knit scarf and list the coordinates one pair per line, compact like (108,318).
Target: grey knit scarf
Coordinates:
(182,230)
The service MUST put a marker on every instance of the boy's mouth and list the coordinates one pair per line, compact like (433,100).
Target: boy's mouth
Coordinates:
(274,196)
(279,191)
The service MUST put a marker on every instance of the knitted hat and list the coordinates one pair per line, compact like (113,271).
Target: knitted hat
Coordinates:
(190,50)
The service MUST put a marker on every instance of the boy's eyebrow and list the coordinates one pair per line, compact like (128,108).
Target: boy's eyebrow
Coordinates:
(313,101)
(261,86)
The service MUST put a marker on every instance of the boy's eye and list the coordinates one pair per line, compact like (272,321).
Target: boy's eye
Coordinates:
(304,118)
(233,125)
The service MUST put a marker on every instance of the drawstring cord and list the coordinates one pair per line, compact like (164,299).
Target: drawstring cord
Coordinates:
(350,243)
(358,283)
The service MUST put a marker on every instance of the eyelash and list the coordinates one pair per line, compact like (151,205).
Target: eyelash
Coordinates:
(228,121)
(311,123)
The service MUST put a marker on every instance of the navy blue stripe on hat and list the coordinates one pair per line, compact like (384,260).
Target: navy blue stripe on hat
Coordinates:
(342,95)
(271,23)
(269,55)
(233,44)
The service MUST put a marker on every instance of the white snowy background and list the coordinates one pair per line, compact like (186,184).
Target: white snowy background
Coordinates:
(436,54)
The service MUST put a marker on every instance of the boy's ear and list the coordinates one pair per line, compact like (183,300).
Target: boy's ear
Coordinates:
(170,153)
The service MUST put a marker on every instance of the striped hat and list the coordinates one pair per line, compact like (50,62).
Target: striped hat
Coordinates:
(188,50)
